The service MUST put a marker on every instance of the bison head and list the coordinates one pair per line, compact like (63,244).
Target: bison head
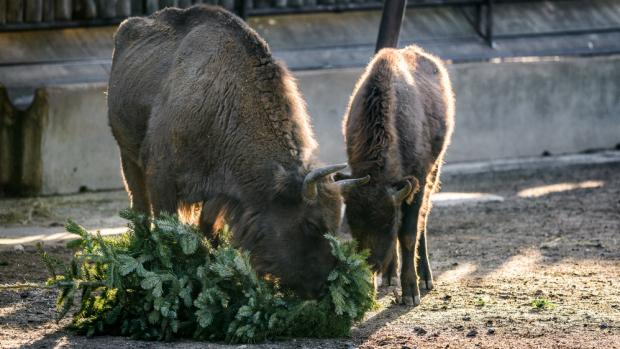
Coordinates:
(373,213)
(284,231)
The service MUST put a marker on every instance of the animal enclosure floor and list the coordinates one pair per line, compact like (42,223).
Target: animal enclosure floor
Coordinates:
(539,267)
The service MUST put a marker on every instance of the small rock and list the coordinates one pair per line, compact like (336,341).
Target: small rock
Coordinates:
(489,323)
(24,294)
(419,331)
(446,298)
(466,317)
(405,347)
(603,325)
(455,264)
(18,248)
(459,327)
(472,333)
(538,293)
(490,331)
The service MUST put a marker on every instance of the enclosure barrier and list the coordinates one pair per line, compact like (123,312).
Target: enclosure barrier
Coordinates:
(16,15)
(56,144)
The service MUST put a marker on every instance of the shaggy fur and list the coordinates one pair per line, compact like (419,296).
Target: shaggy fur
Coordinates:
(209,123)
(397,128)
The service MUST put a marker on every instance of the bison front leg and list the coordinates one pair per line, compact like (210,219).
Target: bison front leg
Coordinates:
(424,264)
(161,188)
(135,184)
(391,276)
(408,238)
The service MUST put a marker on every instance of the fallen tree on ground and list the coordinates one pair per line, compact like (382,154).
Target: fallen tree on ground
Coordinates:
(162,280)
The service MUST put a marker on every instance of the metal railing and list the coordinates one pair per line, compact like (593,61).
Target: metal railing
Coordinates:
(19,15)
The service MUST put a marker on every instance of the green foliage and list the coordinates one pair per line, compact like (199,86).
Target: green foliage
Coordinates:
(162,280)
(540,304)
(480,302)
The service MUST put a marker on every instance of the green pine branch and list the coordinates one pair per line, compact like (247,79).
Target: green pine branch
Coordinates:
(163,280)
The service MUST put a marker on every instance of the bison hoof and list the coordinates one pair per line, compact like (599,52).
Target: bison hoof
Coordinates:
(429,284)
(397,298)
(411,301)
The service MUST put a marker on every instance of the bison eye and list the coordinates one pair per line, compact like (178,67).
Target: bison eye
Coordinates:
(313,227)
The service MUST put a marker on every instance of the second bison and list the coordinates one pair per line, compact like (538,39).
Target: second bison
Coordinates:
(397,128)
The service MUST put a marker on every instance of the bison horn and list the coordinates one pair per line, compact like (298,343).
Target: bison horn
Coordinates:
(309,188)
(348,184)
(403,193)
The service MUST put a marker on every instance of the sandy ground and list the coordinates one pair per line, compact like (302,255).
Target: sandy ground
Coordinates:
(551,234)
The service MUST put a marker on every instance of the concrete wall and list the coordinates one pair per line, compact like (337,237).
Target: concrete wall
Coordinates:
(504,110)
(60,144)
(77,147)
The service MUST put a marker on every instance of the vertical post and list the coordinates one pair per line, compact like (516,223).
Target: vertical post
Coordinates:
(489,24)
(150,6)
(2,11)
(15,11)
(391,20)
(137,7)
(33,11)
(89,9)
(242,8)
(48,10)
(63,10)
(123,8)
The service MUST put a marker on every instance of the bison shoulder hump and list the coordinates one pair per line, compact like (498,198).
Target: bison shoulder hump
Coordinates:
(130,30)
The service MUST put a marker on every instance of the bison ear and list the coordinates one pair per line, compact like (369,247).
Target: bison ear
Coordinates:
(406,189)
(286,184)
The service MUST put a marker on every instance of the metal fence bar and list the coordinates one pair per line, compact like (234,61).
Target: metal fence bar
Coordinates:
(489,24)
(33,11)
(2,12)
(391,20)
(14,11)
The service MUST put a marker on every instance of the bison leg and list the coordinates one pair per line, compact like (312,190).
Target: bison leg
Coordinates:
(408,239)
(134,184)
(391,277)
(161,188)
(424,265)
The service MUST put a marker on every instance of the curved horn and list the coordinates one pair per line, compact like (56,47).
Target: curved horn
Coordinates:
(348,184)
(309,189)
(403,193)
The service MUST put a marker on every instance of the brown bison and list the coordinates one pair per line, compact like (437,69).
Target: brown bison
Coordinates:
(208,123)
(397,128)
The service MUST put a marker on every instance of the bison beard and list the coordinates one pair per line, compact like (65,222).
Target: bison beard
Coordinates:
(205,119)
(397,128)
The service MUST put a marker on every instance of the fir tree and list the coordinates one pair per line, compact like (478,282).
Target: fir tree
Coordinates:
(162,280)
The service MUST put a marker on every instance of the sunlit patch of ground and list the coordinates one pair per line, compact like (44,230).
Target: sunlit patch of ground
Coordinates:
(558,188)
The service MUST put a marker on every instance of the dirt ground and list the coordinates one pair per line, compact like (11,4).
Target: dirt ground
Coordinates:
(540,269)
